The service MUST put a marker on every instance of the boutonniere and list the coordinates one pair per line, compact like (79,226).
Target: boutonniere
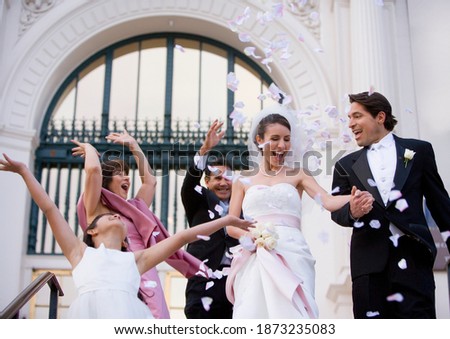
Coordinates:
(409,154)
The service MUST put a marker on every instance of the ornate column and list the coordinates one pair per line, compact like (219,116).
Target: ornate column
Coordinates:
(368,46)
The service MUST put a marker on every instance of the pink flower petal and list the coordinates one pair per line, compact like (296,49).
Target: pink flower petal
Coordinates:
(358,224)
(180,48)
(211,214)
(401,205)
(198,189)
(371,314)
(394,195)
(398,297)
(375,224)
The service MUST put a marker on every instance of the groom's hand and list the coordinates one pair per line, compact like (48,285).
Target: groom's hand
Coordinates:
(360,203)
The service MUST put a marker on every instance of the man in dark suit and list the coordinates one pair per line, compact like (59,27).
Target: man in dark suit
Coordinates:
(392,250)
(203,204)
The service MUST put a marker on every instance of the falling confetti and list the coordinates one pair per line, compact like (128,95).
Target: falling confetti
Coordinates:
(214,170)
(244,37)
(402,264)
(180,48)
(198,188)
(394,239)
(371,90)
(232,82)
(209,284)
(375,224)
(211,214)
(203,237)
(150,284)
(206,302)
(445,235)
(371,314)
(371,182)
(219,209)
(337,189)
(394,195)
(155,234)
(250,51)
(358,224)
(398,297)
(401,205)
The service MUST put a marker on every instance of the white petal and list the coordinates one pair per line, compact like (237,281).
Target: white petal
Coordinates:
(156,233)
(398,297)
(150,284)
(245,181)
(244,37)
(358,224)
(198,188)
(402,264)
(394,239)
(371,314)
(371,90)
(180,48)
(445,235)
(337,189)
(196,125)
(219,209)
(247,243)
(203,237)
(217,274)
(375,224)
(371,182)
(211,214)
(201,274)
(401,205)
(209,284)
(394,195)
(207,301)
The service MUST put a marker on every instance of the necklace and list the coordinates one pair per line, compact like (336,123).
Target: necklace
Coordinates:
(270,175)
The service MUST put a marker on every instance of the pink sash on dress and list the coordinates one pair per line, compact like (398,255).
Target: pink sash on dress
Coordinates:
(274,263)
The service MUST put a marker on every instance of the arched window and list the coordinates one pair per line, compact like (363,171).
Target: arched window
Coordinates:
(165,89)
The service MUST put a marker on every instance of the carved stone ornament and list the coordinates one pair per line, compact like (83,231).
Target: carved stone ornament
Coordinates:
(308,12)
(32,10)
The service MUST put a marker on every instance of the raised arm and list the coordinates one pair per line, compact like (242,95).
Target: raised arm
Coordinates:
(147,190)
(316,192)
(237,196)
(155,254)
(72,247)
(93,181)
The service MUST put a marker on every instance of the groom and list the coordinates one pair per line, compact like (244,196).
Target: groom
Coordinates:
(392,250)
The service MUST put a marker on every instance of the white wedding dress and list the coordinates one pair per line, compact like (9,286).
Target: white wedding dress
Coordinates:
(278,283)
(107,281)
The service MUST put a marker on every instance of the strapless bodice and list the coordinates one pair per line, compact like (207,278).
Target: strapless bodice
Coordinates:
(278,199)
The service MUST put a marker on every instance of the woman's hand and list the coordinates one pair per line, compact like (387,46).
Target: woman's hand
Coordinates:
(240,223)
(10,165)
(122,138)
(80,150)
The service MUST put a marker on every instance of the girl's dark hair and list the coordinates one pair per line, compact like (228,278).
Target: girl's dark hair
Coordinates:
(111,168)
(87,238)
(274,118)
(375,103)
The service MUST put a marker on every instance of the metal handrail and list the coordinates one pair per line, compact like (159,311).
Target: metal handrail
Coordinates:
(12,310)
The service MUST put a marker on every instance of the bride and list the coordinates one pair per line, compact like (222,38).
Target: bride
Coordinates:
(272,272)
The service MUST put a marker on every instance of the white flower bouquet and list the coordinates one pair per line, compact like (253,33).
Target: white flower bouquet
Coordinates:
(263,235)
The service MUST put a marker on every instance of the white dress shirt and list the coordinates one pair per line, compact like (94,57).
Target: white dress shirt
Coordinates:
(382,158)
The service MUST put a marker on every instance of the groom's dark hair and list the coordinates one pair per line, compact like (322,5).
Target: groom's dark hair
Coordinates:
(374,104)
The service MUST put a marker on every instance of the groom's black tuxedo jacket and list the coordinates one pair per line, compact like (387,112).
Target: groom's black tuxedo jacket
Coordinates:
(416,180)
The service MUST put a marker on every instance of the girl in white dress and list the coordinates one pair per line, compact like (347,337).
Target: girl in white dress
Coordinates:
(108,279)
(272,272)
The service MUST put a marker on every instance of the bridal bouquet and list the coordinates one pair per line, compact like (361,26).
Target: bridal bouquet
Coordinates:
(263,235)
